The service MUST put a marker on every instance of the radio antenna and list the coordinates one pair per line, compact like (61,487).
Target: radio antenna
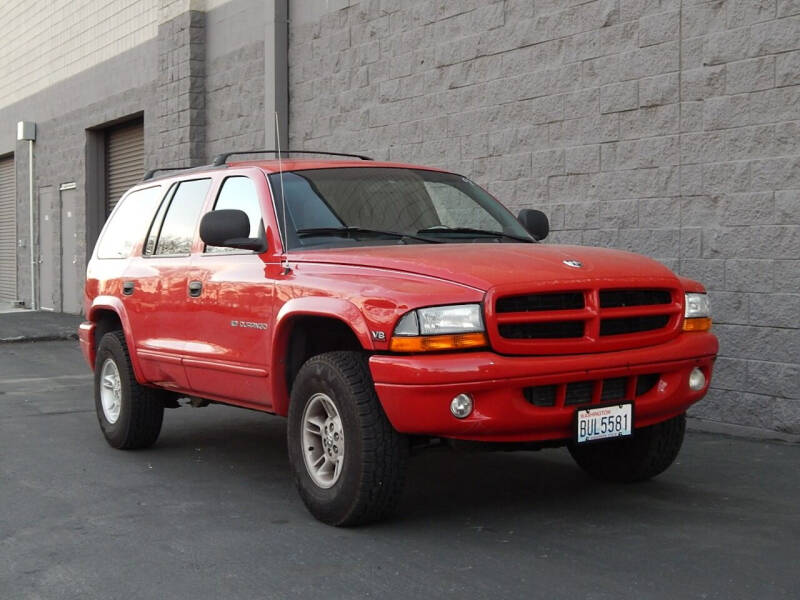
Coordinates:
(286,268)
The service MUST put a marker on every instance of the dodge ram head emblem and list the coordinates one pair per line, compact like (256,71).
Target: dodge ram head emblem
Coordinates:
(575,264)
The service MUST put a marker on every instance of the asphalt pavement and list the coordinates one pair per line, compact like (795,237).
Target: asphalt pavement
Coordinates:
(211,512)
(18,325)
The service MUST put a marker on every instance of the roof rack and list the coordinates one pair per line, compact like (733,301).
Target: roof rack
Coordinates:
(150,172)
(221,159)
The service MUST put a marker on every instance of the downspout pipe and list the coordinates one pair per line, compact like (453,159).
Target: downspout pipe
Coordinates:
(26,131)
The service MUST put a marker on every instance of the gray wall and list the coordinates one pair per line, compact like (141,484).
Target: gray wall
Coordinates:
(199,85)
(63,113)
(666,127)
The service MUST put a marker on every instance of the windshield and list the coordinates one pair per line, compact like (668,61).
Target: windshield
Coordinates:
(357,206)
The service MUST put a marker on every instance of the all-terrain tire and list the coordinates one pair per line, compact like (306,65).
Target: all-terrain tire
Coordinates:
(140,409)
(649,452)
(374,455)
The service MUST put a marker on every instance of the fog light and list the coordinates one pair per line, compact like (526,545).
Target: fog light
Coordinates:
(697,381)
(461,406)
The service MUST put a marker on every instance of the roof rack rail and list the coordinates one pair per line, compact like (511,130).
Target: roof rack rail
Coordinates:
(221,159)
(150,172)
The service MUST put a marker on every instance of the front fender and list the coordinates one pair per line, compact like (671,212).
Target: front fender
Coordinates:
(311,306)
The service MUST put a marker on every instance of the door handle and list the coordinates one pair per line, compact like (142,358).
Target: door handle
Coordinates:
(127,287)
(195,288)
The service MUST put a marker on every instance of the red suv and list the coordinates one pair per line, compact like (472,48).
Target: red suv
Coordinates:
(383,307)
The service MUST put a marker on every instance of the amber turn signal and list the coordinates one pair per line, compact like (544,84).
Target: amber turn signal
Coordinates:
(434,343)
(697,324)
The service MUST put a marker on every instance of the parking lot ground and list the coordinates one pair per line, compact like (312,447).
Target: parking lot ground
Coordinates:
(211,512)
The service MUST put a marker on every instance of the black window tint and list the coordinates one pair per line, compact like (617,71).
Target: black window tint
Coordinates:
(239,193)
(177,232)
(128,224)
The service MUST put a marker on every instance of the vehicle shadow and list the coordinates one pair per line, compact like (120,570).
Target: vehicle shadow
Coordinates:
(441,484)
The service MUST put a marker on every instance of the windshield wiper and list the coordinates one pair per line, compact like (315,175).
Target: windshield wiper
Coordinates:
(349,231)
(444,229)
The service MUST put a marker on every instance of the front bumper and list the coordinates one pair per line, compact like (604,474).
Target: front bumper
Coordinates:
(86,332)
(415,390)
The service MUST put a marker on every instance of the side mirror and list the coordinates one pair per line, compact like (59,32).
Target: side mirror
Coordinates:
(535,222)
(229,228)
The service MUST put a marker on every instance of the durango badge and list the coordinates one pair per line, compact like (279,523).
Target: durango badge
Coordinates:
(575,264)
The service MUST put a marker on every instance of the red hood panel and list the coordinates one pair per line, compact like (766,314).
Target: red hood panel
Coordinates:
(487,265)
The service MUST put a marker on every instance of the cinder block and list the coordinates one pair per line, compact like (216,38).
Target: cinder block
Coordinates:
(750,75)
(658,28)
(726,111)
(781,35)
(787,69)
(726,46)
(583,159)
(775,310)
(662,89)
(619,96)
(787,8)
(747,275)
(747,12)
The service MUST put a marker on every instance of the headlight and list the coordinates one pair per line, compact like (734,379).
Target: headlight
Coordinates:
(454,327)
(697,315)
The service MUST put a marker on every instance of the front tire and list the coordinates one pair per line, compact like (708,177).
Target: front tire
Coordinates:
(130,414)
(648,453)
(348,461)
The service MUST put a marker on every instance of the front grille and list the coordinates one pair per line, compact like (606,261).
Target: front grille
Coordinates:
(613,389)
(579,392)
(539,302)
(583,392)
(624,325)
(588,320)
(546,330)
(645,383)
(541,395)
(618,298)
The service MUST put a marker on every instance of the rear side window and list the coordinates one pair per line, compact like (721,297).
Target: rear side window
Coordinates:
(128,224)
(239,193)
(176,232)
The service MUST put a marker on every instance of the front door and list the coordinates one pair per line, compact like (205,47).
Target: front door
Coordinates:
(230,332)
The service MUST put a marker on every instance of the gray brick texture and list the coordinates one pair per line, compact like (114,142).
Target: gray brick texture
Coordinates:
(666,127)
(181,90)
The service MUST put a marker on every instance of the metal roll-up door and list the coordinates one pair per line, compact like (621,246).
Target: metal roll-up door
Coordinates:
(124,160)
(8,232)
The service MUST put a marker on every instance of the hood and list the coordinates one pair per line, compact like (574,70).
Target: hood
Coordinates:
(487,265)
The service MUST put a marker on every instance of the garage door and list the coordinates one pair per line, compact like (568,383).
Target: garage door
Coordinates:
(124,160)
(8,232)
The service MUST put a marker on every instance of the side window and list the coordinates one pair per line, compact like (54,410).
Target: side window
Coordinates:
(177,231)
(239,193)
(128,224)
(155,226)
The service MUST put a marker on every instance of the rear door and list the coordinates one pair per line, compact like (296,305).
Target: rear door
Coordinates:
(229,330)
(156,284)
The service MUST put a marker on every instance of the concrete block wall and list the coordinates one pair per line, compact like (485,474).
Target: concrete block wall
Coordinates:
(181,89)
(666,127)
(197,58)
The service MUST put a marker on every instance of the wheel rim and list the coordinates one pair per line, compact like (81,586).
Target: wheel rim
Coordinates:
(110,391)
(323,440)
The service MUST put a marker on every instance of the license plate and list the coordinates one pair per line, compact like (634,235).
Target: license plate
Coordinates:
(604,422)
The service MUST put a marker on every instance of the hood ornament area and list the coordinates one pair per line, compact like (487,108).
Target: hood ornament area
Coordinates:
(575,264)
